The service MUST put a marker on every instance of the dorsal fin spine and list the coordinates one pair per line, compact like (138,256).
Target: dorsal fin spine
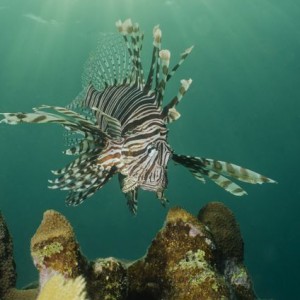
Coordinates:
(164,56)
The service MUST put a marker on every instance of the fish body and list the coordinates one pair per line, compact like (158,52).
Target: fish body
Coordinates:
(141,136)
(118,124)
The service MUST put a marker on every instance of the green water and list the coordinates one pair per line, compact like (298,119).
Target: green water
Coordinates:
(243,106)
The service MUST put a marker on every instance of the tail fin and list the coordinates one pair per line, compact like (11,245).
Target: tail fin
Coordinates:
(218,171)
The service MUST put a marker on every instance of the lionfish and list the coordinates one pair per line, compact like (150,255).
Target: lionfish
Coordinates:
(118,124)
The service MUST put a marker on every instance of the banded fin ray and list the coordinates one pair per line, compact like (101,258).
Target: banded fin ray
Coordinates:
(218,171)
(226,184)
(238,172)
(132,201)
(76,197)
(68,119)
(83,177)
(74,177)
(86,145)
(81,180)
(76,121)
(183,56)
(81,159)
(119,98)
(169,112)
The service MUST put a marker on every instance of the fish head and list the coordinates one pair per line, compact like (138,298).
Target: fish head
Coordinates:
(148,169)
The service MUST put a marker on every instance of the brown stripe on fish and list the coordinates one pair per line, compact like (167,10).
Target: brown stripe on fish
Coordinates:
(217,165)
(230,169)
(39,119)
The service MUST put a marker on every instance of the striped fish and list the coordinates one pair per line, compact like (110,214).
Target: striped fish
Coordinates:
(118,124)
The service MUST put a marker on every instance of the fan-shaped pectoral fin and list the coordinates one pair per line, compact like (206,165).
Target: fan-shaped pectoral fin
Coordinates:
(219,171)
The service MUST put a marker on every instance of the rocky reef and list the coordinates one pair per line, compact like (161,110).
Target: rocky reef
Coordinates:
(8,275)
(190,258)
(7,266)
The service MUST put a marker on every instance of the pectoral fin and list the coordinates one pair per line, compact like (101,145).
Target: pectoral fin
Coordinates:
(219,171)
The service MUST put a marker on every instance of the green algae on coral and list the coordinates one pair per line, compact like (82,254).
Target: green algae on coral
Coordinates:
(48,251)
(196,260)
(200,274)
(54,248)
(179,263)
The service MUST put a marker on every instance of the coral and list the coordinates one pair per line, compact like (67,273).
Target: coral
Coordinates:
(15,294)
(108,279)
(189,259)
(58,288)
(239,279)
(199,279)
(8,274)
(230,246)
(225,230)
(179,263)
(54,248)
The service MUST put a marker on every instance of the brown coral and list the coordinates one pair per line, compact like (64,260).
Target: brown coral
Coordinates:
(179,263)
(108,279)
(230,245)
(15,294)
(55,251)
(54,248)
(8,274)
(225,229)
(187,260)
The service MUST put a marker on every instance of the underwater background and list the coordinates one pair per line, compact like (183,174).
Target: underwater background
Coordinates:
(243,107)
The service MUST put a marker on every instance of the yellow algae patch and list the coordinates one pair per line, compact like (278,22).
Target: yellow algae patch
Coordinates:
(48,250)
(57,288)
